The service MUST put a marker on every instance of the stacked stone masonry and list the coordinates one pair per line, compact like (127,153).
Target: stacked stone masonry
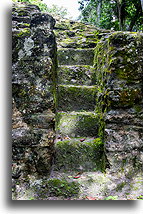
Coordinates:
(76,120)
(77,96)
(119,68)
(33,63)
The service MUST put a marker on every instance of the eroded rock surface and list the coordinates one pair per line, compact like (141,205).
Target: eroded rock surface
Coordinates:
(77,129)
(33,119)
(119,65)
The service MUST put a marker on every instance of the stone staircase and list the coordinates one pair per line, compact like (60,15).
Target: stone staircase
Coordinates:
(78,171)
(77,145)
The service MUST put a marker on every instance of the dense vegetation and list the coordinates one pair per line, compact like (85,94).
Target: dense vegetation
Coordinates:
(124,15)
(54,10)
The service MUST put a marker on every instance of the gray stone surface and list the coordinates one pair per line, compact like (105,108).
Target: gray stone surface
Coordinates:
(34,54)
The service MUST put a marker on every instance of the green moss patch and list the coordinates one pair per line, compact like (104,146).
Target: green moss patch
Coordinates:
(75,98)
(24,32)
(79,154)
(76,124)
(57,187)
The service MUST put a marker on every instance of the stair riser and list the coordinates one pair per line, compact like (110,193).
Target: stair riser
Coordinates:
(71,98)
(79,156)
(76,75)
(77,124)
(75,57)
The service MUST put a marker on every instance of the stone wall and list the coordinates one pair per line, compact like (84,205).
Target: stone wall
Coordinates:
(95,98)
(119,65)
(33,73)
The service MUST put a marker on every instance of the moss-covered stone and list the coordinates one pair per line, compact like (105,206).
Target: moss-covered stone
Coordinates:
(32,85)
(78,42)
(126,55)
(78,154)
(24,32)
(75,56)
(119,65)
(76,124)
(75,98)
(76,75)
(57,187)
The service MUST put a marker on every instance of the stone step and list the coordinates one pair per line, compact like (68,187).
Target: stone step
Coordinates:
(76,75)
(77,124)
(79,42)
(76,98)
(79,154)
(71,56)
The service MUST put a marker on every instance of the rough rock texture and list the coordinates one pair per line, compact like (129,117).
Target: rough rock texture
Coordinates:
(33,66)
(76,121)
(119,64)
(77,129)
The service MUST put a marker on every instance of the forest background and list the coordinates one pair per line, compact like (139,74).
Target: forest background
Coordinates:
(124,15)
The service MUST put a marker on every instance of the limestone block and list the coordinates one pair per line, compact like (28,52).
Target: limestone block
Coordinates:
(76,75)
(75,56)
(29,69)
(34,52)
(30,99)
(75,155)
(77,124)
(74,98)
(119,69)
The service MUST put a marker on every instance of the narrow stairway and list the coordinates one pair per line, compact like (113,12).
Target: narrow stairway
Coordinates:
(78,148)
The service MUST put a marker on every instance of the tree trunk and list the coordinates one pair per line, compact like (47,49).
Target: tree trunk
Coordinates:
(99,6)
(142,4)
(119,2)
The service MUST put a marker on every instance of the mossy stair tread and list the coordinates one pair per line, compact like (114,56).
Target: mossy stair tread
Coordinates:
(72,67)
(79,154)
(76,97)
(78,42)
(77,124)
(78,86)
(88,113)
(69,50)
(79,140)
(96,185)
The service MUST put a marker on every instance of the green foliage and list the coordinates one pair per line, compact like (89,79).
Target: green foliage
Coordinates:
(113,14)
(58,187)
(54,10)
(140,197)
(111,198)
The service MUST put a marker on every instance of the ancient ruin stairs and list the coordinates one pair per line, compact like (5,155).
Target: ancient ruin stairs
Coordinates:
(77,145)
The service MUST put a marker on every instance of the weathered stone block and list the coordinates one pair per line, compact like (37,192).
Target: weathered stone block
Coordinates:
(79,42)
(75,56)
(129,116)
(119,67)
(38,19)
(76,75)
(31,99)
(74,98)
(76,124)
(33,70)
(41,120)
(74,155)
(34,53)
